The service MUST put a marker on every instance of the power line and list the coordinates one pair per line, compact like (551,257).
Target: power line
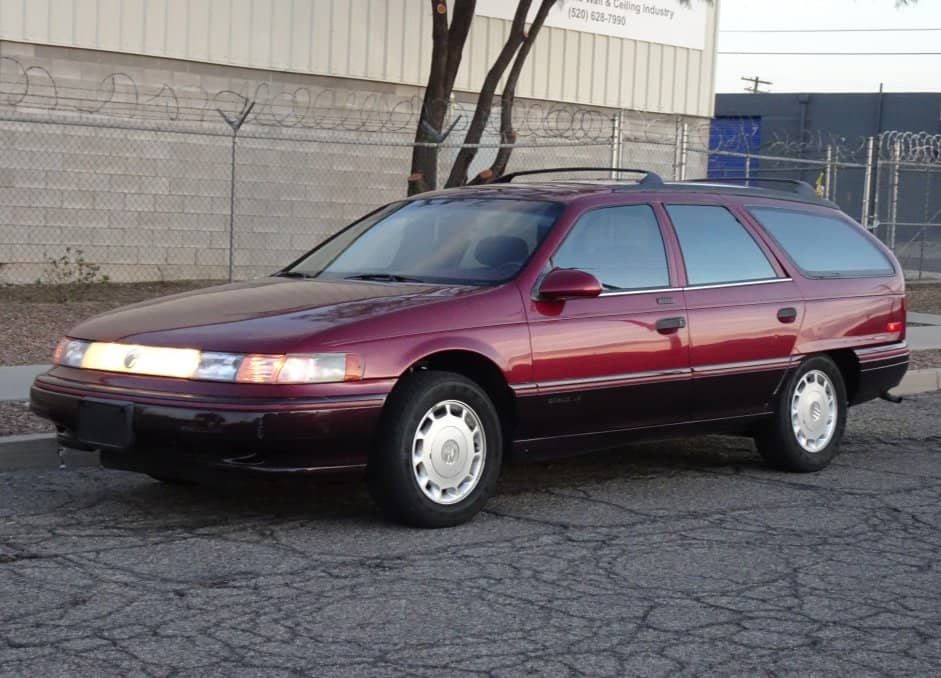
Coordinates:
(835,53)
(829,30)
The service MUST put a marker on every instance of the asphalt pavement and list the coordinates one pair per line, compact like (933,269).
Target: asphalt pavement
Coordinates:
(678,558)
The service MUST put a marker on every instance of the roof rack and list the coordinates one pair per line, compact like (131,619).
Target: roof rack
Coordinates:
(796,186)
(649,179)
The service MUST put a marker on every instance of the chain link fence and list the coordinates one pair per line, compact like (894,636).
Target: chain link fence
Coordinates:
(907,199)
(153,199)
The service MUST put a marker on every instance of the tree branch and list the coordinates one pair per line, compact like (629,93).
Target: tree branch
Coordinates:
(507,99)
(475,130)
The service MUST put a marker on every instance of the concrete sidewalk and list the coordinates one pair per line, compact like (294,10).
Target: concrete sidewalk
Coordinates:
(924,318)
(15,381)
(924,338)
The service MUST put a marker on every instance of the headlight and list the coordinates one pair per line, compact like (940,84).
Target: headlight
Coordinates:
(70,352)
(315,368)
(305,369)
(188,363)
(218,366)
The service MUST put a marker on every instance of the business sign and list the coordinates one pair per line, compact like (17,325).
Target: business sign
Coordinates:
(663,21)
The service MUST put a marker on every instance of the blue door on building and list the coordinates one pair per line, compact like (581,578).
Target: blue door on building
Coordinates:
(730,138)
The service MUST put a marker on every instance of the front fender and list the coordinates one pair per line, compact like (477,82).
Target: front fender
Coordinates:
(506,346)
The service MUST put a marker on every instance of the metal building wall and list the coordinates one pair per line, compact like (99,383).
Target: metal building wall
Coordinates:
(385,40)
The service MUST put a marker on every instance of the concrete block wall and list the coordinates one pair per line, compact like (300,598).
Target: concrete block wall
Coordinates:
(147,197)
(143,205)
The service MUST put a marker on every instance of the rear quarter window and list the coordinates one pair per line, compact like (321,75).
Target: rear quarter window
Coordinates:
(822,246)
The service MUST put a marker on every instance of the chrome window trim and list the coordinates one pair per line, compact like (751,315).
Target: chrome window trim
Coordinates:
(688,288)
(766,281)
(655,290)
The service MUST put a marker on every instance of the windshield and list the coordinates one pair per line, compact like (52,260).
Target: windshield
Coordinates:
(439,240)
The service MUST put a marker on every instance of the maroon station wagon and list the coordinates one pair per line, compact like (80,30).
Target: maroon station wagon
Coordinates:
(441,334)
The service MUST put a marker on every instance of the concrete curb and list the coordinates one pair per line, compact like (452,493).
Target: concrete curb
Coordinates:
(40,451)
(927,380)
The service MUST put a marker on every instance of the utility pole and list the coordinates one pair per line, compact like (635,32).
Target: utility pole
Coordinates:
(755,82)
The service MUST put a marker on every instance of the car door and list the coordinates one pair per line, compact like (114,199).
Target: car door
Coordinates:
(619,360)
(744,312)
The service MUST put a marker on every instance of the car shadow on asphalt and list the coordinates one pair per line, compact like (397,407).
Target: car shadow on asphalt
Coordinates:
(346,497)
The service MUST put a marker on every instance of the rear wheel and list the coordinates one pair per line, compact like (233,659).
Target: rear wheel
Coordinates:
(439,451)
(808,426)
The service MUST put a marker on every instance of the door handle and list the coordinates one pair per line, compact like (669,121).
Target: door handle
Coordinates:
(787,314)
(667,325)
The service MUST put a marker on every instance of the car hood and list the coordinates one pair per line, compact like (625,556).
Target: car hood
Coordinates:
(267,315)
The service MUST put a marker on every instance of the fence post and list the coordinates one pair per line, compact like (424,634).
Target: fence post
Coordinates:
(924,222)
(236,124)
(877,187)
(835,174)
(867,182)
(894,194)
(684,150)
(617,122)
(676,148)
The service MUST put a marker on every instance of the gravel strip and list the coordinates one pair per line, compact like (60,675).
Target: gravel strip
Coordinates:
(924,298)
(31,323)
(924,359)
(16,419)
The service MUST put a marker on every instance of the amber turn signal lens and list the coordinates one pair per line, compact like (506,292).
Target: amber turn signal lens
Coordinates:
(259,369)
(354,368)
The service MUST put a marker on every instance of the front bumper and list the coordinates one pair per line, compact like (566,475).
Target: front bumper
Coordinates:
(166,436)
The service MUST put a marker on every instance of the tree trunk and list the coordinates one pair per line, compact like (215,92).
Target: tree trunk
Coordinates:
(507,99)
(465,156)
(447,50)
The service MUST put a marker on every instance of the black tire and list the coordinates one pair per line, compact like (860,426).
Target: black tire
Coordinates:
(390,474)
(778,443)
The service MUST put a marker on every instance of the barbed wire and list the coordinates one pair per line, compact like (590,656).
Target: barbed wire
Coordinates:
(910,147)
(118,95)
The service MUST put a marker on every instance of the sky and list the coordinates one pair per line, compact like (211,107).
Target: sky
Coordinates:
(817,73)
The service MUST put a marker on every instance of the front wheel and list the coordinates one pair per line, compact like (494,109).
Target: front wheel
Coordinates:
(439,451)
(809,420)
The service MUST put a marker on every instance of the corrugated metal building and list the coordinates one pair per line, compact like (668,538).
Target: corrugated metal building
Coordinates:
(386,41)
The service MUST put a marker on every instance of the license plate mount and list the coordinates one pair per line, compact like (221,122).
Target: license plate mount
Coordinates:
(105,424)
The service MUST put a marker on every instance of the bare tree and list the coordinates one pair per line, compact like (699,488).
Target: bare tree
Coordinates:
(448,48)
(448,39)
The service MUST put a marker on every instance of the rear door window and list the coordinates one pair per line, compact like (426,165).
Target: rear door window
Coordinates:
(822,246)
(621,246)
(716,247)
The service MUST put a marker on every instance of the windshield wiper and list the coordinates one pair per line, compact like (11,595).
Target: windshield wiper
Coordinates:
(291,274)
(384,277)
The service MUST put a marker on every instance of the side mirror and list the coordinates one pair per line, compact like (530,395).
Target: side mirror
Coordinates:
(568,283)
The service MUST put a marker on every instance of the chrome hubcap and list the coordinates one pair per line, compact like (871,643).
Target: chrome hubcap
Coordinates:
(814,411)
(448,452)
